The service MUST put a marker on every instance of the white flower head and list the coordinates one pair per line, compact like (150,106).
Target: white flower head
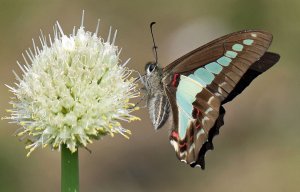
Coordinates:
(73,90)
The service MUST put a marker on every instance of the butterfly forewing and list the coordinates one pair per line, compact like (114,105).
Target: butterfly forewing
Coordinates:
(215,49)
(198,83)
(260,66)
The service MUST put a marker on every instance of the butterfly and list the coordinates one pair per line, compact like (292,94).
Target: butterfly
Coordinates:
(194,88)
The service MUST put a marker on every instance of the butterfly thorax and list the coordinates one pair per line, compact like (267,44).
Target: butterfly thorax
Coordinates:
(153,82)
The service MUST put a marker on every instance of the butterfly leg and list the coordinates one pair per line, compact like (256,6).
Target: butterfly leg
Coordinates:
(140,78)
(136,104)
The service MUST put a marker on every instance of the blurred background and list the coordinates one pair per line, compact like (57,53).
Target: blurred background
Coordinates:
(258,147)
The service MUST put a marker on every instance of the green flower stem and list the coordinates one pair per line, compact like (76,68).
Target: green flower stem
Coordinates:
(69,170)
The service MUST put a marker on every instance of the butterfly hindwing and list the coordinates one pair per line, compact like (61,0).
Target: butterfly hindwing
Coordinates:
(208,145)
(198,83)
(194,117)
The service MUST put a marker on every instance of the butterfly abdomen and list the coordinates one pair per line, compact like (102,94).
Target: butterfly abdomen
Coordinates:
(159,109)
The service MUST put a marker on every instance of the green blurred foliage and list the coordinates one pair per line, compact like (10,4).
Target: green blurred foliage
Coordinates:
(258,147)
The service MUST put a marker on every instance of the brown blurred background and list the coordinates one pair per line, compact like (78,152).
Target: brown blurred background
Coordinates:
(257,149)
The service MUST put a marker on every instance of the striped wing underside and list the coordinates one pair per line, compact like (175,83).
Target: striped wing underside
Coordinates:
(198,83)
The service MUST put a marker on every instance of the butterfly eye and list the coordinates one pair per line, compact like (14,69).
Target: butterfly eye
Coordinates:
(151,67)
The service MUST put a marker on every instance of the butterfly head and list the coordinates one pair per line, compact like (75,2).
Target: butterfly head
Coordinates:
(152,78)
(150,67)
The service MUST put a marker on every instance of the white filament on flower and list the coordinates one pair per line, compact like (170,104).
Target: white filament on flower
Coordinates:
(73,90)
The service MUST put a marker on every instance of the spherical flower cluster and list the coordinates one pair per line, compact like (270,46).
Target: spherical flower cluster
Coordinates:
(73,90)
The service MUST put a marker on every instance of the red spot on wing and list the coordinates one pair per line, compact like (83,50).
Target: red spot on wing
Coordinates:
(196,113)
(198,126)
(175,135)
(175,80)
(183,145)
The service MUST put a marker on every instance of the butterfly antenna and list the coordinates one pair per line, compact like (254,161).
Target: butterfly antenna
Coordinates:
(154,45)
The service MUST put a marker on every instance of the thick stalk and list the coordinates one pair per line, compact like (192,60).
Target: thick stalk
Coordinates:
(69,170)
